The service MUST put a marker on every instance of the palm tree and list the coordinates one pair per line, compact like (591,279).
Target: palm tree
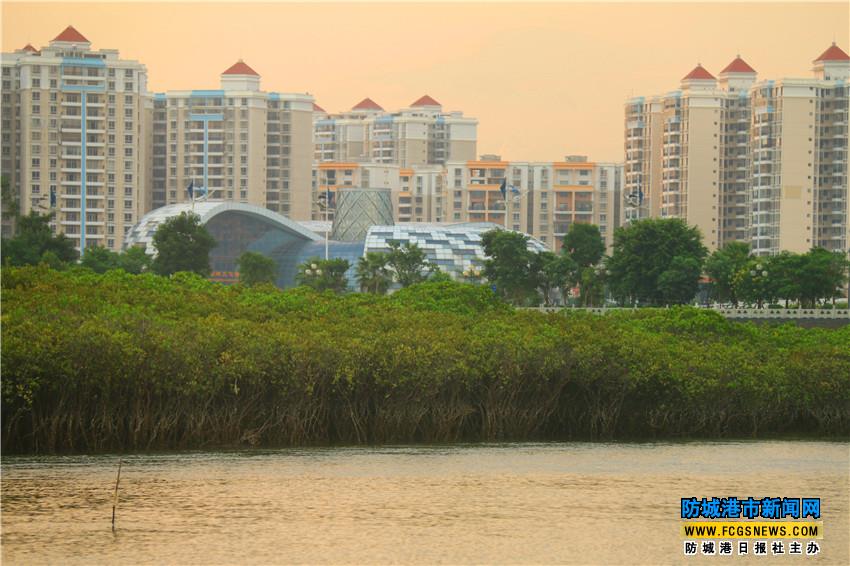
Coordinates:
(373,274)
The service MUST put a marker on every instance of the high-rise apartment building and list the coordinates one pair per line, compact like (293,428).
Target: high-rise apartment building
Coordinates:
(417,192)
(75,137)
(799,159)
(541,199)
(760,162)
(241,143)
(422,134)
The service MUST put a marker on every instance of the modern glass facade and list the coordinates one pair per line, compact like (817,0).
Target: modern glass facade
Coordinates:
(454,248)
(237,228)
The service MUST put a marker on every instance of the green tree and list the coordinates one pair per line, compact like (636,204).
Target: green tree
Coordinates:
(9,200)
(785,270)
(35,238)
(722,266)
(591,287)
(255,268)
(821,276)
(409,263)
(373,273)
(509,266)
(680,281)
(754,284)
(134,260)
(51,260)
(552,272)
(99,259)
(182,244)
(645,250)
(324,274)
(584,244)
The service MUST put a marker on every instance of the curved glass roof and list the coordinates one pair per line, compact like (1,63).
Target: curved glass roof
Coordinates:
(142,233)
(237,227)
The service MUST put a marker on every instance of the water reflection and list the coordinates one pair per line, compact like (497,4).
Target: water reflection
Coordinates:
(512,503)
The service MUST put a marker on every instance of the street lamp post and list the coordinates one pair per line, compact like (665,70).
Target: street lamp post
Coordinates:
(324,203)
(313,271)
(472,274)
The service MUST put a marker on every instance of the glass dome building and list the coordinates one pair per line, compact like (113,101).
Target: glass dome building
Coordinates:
(237,228)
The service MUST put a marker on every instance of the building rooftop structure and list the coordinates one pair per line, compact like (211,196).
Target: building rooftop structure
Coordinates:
(238,227)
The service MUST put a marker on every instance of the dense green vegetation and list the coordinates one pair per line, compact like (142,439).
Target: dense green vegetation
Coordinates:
(100,260)
(405,264)
(323,274)
(256,269)
(182,244)
(656,262)
(802,279)
(34,242)
(119,361)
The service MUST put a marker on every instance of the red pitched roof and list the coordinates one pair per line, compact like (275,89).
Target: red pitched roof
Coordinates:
(699,72)
(240,68)
(71,35)
(738,66)
(834,53)
(30,48)
(426,101)
(317,108)
(367,104)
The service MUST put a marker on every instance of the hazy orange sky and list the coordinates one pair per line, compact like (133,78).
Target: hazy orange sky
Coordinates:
(543,80)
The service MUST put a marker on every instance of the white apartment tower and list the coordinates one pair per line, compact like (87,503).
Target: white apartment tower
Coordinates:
(75,137)
(423,134)
(240,143)
(799,159)
(763,162)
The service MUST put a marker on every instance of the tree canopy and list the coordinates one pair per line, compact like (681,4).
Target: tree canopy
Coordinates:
(409,263)
(656,261)
(200,363)
(324,274)
(34,240)
(552,272)
(804,279)
(722,266)
(509,266)
(182,244)
(255,269)
(584,244)
(373,273)
(9,200)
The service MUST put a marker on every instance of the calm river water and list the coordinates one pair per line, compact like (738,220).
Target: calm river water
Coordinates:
(509,503)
